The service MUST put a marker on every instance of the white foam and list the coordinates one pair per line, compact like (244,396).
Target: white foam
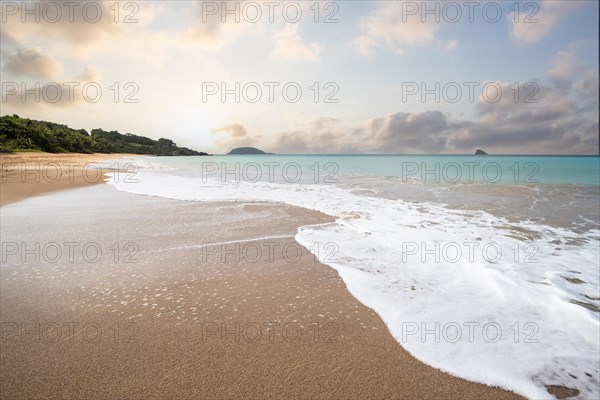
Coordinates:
(546,339)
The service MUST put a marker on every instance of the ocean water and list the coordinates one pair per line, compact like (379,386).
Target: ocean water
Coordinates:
(485,267)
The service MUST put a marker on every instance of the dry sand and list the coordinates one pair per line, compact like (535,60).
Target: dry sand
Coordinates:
(33,173)
(183,322)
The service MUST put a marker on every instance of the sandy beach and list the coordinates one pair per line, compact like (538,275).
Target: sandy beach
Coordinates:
(32,173)
(188,300)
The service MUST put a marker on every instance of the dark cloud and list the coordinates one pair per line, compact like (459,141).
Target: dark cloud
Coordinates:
(32,63)
(559,116)
(404,132)
(562,120)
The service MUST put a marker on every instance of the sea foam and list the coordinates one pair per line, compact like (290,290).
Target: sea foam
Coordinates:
(515,316)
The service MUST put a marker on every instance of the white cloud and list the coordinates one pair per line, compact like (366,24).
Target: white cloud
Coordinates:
(542,21)
(565,66)
(88,75)
(232,136)
(79,31)
(451,45)
(208,31)
(289,46)
(387,27)
(76,36)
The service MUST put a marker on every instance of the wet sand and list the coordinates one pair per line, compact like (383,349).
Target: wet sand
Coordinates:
(172,315)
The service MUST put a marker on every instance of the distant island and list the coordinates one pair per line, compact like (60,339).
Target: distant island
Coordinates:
(247,150)
(480,153)
(22,134)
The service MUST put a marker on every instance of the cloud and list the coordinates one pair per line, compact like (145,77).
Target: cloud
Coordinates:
(63,20)
(289,46)
(555,124)
(562,134)
(319,135)
(566,68)
(64,94)
(405,132)
(233,130)
(231,136)
(451,45)
(210,30)
(530,118)
(79,30)
(322,135)
(447,46)
(586,87)
(387,26)
(35,96)
(562,120)
(555,116)
(88,75)
(533,25)
(32,63)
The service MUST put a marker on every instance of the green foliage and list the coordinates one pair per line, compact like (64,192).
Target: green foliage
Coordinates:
(19,134)
(165,146)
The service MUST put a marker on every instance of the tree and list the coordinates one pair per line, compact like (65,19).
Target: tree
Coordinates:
(165,146)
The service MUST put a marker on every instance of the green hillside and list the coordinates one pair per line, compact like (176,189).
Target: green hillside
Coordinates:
(21,134)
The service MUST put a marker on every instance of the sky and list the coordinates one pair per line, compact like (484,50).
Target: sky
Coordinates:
(328,77)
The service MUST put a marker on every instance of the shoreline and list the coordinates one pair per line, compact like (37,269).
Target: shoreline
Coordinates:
(211,356)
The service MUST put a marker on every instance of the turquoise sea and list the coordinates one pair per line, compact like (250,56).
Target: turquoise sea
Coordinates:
(434,168)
